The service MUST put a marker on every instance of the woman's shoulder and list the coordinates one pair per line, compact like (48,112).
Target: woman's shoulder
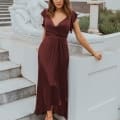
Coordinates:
(73,18)
(43,12)
(73,13)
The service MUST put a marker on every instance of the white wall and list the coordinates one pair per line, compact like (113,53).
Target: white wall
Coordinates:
(94,87)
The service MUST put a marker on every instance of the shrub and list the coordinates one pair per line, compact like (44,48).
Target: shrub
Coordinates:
(109,22)
(107,27)
(84,23)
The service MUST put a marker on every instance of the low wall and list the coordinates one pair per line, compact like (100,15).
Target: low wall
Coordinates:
(93,85)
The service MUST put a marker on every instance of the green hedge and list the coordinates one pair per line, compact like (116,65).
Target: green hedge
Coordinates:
(109,22)
(84,23)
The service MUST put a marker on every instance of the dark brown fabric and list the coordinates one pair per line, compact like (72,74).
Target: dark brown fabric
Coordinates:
(53,62)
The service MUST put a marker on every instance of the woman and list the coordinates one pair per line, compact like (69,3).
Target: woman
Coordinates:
(53,58)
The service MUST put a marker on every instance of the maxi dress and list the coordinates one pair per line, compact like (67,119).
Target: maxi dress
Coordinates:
(53,62)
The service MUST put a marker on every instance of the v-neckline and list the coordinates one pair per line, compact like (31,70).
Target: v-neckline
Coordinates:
(58,23)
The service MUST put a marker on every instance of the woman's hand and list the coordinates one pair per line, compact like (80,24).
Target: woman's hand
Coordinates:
(97,55)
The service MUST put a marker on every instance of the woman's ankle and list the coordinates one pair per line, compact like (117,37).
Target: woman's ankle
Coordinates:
(50,113)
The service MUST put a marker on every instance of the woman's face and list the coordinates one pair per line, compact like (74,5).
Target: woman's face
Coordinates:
(58,3)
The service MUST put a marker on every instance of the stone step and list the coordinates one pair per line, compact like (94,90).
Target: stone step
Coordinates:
(15,89)
(4,6)
(4,55)
(5,3)
(5,23)
(7,0)
(4,15)
(4,12)
(39,117)
(33,117)
(17,109)
(9,70)
(5,19)
(3,9)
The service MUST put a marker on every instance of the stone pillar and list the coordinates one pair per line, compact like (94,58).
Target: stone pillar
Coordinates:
(94,12)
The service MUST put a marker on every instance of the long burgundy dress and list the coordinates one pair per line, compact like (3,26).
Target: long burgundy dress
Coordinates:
(53,61)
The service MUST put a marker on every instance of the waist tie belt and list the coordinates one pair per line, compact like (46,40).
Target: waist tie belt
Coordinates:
(51,34)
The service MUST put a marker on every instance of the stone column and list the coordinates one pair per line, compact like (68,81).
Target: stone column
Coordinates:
(94,12)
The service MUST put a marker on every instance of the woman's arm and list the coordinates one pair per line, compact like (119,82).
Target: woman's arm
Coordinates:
(43,34)
(81,39)
(42,38)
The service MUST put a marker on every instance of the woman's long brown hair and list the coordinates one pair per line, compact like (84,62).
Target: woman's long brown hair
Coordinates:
(66,8)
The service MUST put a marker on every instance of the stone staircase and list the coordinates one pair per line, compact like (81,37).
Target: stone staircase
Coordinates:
(17,94)
(4,12)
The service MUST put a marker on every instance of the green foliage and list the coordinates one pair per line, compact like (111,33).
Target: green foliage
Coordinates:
(84,23)
(107,28)
(109,22)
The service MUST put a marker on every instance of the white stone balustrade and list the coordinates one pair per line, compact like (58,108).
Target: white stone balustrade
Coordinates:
(94,13)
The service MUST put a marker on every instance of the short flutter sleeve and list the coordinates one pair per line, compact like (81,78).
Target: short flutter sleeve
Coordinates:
(43,14)
(73,18)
